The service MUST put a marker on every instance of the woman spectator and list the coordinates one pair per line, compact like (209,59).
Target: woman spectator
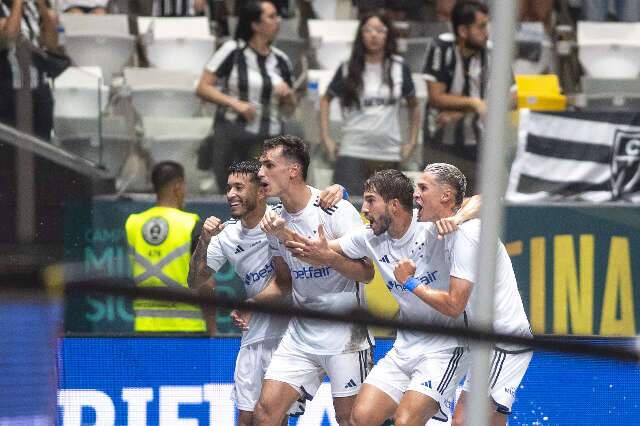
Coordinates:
(250,81)
(370,86)
(28,21)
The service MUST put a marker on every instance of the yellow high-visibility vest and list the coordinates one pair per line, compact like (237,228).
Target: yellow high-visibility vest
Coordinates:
(159,250)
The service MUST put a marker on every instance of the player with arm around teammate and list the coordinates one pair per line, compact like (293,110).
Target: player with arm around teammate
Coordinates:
(419,375)
(438,191)
(311,349)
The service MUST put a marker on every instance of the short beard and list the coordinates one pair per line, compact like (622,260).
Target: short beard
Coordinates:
(385,222)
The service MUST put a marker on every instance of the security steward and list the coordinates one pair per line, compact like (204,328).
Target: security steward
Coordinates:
(160,246)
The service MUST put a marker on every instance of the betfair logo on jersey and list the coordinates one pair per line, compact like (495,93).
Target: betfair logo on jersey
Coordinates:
(427,278)
(311,272)
(252,277)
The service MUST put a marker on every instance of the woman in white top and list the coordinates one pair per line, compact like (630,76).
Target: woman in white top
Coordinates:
(250,81)
(370,86)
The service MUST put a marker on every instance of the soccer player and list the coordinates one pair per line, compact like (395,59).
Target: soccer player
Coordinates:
(418,376)
(439,191)
(241,242)
(311,349)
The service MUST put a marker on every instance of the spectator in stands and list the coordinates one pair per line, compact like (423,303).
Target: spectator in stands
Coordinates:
(174,8)
(81,7)
(370,87)
(250,81)
(25,23)
(598,10)
(457,75)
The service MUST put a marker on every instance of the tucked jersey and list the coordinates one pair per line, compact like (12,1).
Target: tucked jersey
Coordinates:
(420,244)
(322,288)
(248,252)
(251,77)
(372,131)
(509,315)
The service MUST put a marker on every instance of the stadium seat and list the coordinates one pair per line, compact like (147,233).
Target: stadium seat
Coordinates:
(416,52)
(99,40)
(162,93)
(610,94)
(609,49)
(540,93)
(332,40)
(177,44)
(177,139)
(80,97)
(534,50)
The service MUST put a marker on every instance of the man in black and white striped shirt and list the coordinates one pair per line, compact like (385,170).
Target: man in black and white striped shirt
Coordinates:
(34,22)
(457,72)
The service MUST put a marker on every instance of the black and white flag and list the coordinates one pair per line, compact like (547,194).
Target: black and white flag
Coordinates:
(586,156)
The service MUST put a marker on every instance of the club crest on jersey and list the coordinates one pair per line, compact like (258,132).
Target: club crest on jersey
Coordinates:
(625,163)
(155,230)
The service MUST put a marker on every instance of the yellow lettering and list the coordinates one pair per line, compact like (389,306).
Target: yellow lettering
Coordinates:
(537,285)
(618,289)
(573,300)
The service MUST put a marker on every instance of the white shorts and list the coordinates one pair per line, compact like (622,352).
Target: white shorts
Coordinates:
(435,375)
(507,371)
(251,364)
(305,372)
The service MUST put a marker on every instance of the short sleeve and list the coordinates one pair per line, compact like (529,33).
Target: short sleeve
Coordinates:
(275,246)
(215,256)
(221,63)
(344,219)
(354,245)
(284,68)
(408,88)
(464,250)
(435,68)
(336,86)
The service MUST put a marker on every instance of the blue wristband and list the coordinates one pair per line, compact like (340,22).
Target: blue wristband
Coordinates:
(411,284)
(345,193)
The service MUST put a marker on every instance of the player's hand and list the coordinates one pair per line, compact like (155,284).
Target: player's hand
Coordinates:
(211,227)
(447,225)
(404,269)
(241,319)
(331,195)
(313,252)
(273,224)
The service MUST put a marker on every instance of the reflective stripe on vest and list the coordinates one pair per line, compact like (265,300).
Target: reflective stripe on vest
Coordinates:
(152,270)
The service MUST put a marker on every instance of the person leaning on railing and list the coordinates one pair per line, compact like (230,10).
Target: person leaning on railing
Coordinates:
(24,22)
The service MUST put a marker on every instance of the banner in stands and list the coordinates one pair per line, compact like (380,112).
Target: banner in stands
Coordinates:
(576,155)
(172,381)
(574,267)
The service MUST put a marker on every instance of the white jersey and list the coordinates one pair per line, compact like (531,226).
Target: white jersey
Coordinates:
(509,315)
(248,252)
(421,245)
(322,288)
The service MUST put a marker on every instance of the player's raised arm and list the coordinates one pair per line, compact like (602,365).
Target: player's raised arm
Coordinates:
(451,302)
(199,272)
(321,251)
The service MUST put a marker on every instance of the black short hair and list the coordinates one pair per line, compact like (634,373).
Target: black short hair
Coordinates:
(249,167)
(249,13)
(390,184)
(449,174)
(294,148)
(165,173)
(464,13)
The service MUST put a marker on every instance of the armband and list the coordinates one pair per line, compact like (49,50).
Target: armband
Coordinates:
(411,284)
(345,193)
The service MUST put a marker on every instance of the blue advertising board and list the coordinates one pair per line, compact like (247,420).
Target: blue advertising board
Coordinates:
(188,381)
